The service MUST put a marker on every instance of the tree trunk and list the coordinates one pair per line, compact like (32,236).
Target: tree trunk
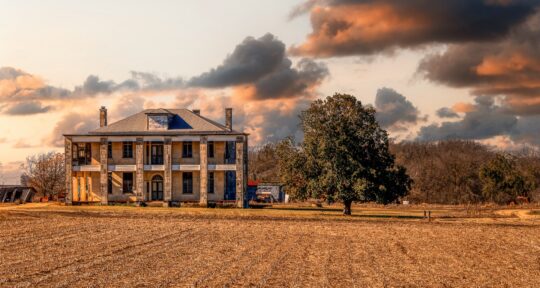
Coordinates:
(347,207)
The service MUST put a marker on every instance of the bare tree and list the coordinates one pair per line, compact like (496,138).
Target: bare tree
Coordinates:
(45,173)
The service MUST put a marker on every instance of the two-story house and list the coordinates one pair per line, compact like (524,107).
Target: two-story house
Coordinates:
(161,155)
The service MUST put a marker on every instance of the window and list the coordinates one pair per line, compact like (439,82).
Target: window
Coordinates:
(156,154)
(187,150)
(109,150)
(127,182)
(187,182)
(127,151)
(158,122)
(211,183)
(82,154)
(211,149)
(109,183)
(230,153)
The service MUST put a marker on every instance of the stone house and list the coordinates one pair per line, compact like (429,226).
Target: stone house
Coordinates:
(158,155)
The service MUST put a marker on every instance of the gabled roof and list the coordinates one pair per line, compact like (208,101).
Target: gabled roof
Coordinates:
(183,121)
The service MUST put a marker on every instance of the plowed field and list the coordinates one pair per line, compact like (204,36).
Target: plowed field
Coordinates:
(168,247)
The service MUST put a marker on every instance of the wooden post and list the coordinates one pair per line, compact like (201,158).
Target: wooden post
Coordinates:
(103,171)
(203,200)
(429,216)
(167,183)
(68,154)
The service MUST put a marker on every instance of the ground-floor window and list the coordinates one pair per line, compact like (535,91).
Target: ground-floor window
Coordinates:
(187,182)
(127,182)
(211,181)
(109,182)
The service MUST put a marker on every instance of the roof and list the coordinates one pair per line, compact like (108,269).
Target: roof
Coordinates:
(182,121)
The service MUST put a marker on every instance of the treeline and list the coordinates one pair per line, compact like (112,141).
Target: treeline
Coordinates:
(445,172)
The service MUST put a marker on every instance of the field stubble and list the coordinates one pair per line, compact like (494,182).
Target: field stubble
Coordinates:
(124,247)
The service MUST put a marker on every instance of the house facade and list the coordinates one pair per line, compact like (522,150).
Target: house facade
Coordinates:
(158,155)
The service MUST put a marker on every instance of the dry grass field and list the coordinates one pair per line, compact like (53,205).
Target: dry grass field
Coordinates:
(55,246)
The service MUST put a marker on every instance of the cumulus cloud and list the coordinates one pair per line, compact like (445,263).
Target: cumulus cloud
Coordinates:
(508,67)
(394,111)
(259,69)
(25,108)
(23,94)
(72,123)
(361,27)
(487,120)
(446,112)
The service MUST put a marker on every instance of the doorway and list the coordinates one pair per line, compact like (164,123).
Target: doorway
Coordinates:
(157,188)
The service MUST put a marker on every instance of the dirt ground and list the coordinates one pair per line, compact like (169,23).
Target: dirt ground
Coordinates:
(53,246)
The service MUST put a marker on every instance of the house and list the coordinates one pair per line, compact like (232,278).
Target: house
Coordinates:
(158,155)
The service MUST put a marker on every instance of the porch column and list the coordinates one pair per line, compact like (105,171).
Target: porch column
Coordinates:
(167,162)
(139,172)
(204,171)
(241,181)
(69,170)
(103,177)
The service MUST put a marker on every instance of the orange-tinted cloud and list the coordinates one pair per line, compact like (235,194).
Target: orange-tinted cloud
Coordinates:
(509,67)
(359,27)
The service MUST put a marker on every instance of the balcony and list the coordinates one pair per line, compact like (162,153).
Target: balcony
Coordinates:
(86,168)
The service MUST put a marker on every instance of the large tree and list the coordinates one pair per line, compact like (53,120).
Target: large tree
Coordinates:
(344,155)
(45,173)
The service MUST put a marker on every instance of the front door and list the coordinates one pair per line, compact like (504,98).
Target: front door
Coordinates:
(157,188)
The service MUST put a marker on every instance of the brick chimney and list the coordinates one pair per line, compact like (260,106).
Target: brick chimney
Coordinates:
(197,111)
(228,118)
(102,116)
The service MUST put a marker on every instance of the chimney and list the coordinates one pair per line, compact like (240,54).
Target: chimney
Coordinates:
(102,116)
(228,118)
(197,111)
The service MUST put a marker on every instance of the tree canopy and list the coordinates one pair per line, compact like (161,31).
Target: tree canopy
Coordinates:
(344,156)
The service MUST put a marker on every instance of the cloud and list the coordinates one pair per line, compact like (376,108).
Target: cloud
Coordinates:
(394,111)
(250,60)
(363,27)
(508,67)
(23,94)
(487,120)
(25,108)
(10,172)
(446,112)
(22,144)
(259,69)
(72,123)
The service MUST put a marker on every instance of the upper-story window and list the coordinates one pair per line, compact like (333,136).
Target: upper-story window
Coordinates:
(82,154)
(158,122)
(109,150)
(187,150)
(127,150)
(210,149)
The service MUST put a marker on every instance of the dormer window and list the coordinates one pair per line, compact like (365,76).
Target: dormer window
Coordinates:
(158,122)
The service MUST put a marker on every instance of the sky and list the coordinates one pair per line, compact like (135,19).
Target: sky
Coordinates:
(433,69)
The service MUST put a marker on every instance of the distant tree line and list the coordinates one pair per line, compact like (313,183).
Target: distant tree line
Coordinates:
(444,172)
(460,172)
